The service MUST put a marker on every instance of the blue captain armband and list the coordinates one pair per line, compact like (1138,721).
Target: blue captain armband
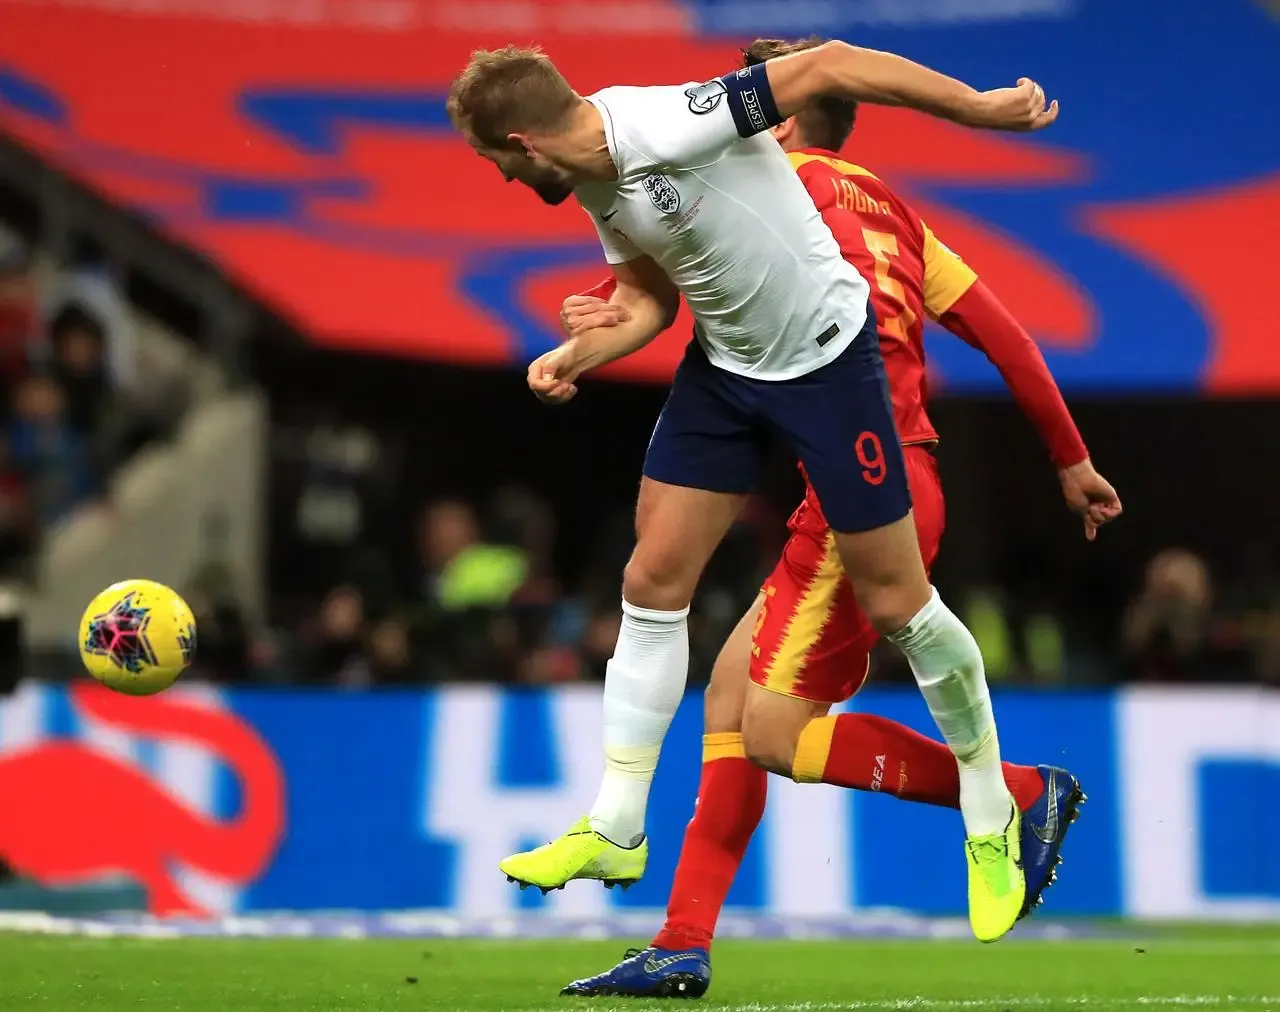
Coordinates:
(750,99)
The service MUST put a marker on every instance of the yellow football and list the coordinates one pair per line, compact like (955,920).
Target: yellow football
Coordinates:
(137,636)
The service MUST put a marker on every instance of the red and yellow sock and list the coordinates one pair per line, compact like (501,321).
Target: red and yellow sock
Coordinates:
(869,753)
(731,796)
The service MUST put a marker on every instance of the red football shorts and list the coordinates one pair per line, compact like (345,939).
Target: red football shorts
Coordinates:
(811,640)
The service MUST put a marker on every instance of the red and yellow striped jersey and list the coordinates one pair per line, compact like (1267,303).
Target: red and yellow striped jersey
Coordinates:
(910,271)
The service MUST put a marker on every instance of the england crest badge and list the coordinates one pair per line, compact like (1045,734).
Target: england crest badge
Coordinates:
(665,197)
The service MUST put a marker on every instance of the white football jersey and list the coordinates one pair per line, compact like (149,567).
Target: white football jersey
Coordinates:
(732,225)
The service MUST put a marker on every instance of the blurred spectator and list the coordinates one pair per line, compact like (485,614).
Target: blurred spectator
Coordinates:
(1045,648)
(105,415)
(521,520)
(448,527)
(19,320)
(551,664)
(1171,632)
(89,286)
(601,636)
(1020,636)
(391,656)
(17,522)
(1269,649)
(47,451)
(93,348)
(1253,600)
(985,611)
(333,649)
(461,570)
(77,344)
(224,647)
(223,651)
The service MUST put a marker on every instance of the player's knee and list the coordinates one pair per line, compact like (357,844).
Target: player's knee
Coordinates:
(891,607)
(768,752)
(887,573)
(726,696)
(658,580)
(769,744)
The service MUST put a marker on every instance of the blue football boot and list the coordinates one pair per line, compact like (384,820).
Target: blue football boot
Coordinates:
(650,973)
(1044,827)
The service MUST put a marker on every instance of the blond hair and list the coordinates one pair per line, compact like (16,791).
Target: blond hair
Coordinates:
(510,90)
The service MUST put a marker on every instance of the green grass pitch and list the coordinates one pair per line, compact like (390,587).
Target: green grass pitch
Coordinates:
(1204,968)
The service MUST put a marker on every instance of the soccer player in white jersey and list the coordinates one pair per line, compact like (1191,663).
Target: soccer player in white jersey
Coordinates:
(691,196)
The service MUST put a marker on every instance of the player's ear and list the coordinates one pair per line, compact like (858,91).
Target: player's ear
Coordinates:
(784,133)
(521,142)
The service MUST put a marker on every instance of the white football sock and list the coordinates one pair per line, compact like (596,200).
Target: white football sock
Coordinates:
(644,683)
(948,667)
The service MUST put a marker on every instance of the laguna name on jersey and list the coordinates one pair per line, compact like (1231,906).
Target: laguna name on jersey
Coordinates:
(727,219)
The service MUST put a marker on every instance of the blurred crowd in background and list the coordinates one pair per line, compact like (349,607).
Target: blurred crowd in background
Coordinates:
(71,407)
(479,596)
(479,602)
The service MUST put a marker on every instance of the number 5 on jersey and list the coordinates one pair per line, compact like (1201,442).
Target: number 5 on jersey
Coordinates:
(882,246)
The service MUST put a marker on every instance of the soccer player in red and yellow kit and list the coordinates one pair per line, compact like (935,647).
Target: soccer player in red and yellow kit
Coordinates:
(805,643)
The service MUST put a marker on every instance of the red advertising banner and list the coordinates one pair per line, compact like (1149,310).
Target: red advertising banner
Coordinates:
(305,148)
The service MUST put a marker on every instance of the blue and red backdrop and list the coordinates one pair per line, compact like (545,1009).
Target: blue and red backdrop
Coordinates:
(306,149)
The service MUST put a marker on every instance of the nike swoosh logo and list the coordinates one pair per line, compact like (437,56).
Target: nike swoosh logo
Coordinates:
(606,217)
(652,965)
(1049,831)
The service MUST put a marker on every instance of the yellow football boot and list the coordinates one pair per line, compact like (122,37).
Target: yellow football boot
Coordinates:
(997,886)
(580,853)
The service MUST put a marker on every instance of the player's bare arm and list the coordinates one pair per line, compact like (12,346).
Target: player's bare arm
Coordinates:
(643,304)
(649,302)
(868,75)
